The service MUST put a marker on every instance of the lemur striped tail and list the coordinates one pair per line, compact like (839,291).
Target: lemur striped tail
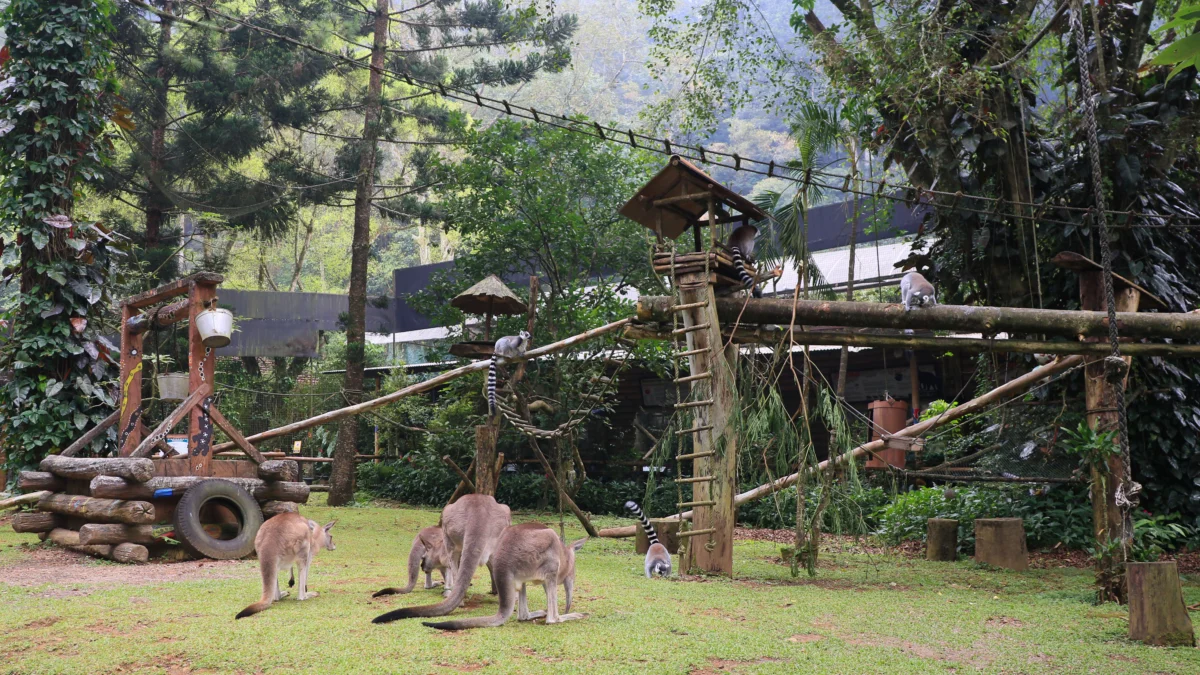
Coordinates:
(491,386)
(651,535)
(747,280)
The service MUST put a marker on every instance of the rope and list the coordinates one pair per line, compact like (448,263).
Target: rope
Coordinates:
(1115,367)
(574,419)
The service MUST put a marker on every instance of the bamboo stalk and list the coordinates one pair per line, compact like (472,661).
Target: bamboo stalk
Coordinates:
(421,387)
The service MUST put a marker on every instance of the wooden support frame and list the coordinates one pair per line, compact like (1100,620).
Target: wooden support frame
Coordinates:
(188,406)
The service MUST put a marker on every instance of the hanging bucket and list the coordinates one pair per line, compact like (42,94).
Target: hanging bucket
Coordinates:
(215,327)
(172,386)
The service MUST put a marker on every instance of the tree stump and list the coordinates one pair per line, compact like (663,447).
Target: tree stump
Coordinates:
(1158,614)
(286,470)
(941,543)
(668,535)
(1000,542)
(36,521)
(486,476)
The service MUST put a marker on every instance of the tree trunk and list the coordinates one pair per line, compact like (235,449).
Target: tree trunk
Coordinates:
(486,479)
(1001,542)
(341,480)
(155,199)
(1158,614)
(941,539)
(844,363)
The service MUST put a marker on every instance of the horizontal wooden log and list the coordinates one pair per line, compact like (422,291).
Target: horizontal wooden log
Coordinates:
(420,387)
(279,469)
(619,532)
(87,468)
(108,533)
(171,290)
(21,500)
(161,487)
(99,510)
(32,481)
(162,318)
(928,343)
(129,552)
(986,320)
(36,521)
(274,508)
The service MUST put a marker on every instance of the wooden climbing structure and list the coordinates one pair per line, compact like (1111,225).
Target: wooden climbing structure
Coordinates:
(679,198)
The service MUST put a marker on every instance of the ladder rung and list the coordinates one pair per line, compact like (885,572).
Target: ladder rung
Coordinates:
(695,479)
(693,404)
(694,430)
(689,329)
(696,533)
(691,352)
(693,378)
(708,503)
(690,305)
(696,455)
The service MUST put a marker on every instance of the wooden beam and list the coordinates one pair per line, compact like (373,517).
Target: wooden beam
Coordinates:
(160,318)
(129,434)
(235,435)
(421,387)
(171,290)
(101,510)
(91,435)
(693,197)
(87,468)
(986,320)
(202,373)
(147,445)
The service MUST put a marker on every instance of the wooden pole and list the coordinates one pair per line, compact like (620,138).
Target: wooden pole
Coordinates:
(202,373)
(91,435)
(486,436)
(421,387)
(940,345)
(986,320)
(1108,520)
(461,474)
(130,411)
(914,374)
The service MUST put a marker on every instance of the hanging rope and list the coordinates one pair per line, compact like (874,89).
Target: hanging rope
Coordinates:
(1115,367)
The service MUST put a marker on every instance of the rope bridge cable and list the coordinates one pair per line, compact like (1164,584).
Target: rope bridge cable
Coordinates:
(709,156)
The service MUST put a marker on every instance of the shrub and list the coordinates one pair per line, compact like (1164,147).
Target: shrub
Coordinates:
(850,511)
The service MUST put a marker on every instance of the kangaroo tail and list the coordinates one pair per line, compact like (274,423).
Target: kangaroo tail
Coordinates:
(491,387)
(415,557)
(651,535)
(740,264)
(462,578)
(270,580)
(504,585)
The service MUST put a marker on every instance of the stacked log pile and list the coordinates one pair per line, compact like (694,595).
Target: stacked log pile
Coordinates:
(117,508)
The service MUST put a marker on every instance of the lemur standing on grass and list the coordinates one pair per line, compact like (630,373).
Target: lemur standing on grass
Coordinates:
(658,558)
(508,347)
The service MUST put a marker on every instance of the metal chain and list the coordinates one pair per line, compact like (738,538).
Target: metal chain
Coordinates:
(1114,366)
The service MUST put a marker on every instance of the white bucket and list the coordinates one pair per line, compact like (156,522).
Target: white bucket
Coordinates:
(215,326)
(172,386)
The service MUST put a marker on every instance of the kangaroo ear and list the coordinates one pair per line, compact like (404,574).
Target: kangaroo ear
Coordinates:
(576,545)
(329,525)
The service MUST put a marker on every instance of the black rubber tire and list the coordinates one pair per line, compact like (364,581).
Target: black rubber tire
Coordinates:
(190,531)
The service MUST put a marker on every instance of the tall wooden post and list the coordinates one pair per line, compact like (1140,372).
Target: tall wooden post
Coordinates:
(711,553)
(1101,395)
(202,365)
(486,477)
(129,434)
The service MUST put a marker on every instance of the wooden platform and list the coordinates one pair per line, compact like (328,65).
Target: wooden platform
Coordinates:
(720,266)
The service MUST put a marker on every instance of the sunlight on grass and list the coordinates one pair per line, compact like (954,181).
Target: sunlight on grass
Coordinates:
(862,614)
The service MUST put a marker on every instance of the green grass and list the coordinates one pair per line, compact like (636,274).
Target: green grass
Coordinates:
(862,614)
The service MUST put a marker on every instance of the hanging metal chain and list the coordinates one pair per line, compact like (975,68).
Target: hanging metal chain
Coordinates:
(1115,367)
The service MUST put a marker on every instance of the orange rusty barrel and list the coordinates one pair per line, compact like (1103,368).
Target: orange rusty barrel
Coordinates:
(889,416)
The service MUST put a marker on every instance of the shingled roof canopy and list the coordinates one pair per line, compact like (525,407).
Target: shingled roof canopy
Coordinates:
(488,297)
(681,177)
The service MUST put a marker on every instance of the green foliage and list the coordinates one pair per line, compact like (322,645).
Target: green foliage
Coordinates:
(1093,447)
(851,511)
(56,94)
(1154,535)
(1061,514)
(1184,52)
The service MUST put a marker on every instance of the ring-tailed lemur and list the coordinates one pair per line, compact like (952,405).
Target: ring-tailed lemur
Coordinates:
(658,559)
(508,347)
(741,243)
(915,288)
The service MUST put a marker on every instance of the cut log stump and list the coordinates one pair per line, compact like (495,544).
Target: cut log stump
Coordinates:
(36,521)
(130,553)
(668,535)
(941,543)
(87,468)
(1158,614)
(103,533)
(1000,542)
(279,469)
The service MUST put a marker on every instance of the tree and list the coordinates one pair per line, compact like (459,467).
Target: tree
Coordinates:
(57,92)
(433,29)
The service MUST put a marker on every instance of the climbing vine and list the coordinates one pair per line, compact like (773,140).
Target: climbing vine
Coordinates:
(57,93)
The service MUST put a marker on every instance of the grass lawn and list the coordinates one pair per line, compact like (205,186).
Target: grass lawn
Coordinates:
(862,614)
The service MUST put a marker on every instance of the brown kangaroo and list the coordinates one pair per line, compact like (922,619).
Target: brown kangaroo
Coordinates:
(471,526)
(285,539)
(529,553)
(428,554)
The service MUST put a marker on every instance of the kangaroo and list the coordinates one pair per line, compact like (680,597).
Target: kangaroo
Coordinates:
(529,553)
(285,539)
(658,558)
(428,554)
(472,526)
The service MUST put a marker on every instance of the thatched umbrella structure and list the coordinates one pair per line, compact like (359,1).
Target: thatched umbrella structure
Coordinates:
(489,297)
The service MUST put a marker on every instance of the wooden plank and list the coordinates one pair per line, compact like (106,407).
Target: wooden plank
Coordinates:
(160,432)
(171,290)
(235,435)
(91,435)
(129,434)
(202,370)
